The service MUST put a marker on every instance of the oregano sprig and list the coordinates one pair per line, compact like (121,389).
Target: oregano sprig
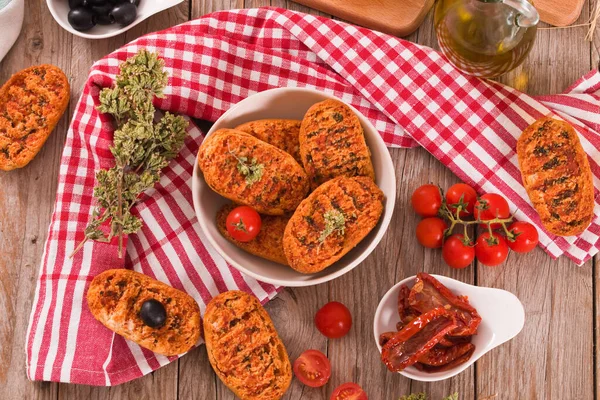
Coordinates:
(141,147)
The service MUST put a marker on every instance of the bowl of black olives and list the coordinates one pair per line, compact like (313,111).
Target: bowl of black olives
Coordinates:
(99,19)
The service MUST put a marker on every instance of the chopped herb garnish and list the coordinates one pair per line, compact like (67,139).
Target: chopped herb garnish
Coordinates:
(253,171)
(334,222)
(338,117)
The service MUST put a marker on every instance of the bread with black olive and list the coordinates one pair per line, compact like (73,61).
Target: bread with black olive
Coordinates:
(150,313)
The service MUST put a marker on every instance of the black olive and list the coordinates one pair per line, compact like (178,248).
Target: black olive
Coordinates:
(81,19)
(124,13)
(77,3)
(102,13)
(153,313)
(134,2)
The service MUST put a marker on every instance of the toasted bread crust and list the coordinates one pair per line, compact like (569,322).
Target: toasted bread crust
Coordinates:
(557,176)
(244,348)
(267,244)
(281,133)
(332,143)
(282,184)
(361,203)
(115,298)
(31,104)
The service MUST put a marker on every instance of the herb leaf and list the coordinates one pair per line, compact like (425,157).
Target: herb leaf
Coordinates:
(141,148)
(334,222)
(253,171)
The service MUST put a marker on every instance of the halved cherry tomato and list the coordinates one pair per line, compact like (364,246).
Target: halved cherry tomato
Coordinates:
(491,251)
(430,232)
(348,391)
(312,368)
(333,320)
(243,223)
(456,253)
(490,206)
(461,193)
(426,200)
(527,237)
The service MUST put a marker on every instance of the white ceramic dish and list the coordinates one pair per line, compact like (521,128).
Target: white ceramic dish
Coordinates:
(60,9)
(502,318)
(290,103)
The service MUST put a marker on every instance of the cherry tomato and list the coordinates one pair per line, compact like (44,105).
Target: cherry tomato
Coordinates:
(333,320)
(468,194)
(312,368)
(527,237)
(348,391)
(490,206)
(426,200)
(430,232)
(243,223)
(491,252)
(456,253)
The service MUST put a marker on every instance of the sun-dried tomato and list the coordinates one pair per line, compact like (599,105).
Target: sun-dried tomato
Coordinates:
(416,339)
(460,360)
(439,355)
(406,312)
(428,293)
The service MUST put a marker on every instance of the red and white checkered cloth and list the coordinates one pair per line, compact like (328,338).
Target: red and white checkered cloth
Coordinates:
(410,93)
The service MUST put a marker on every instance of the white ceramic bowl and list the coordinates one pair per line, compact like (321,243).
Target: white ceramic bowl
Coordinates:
(60,9)
(502,318)
(290,103)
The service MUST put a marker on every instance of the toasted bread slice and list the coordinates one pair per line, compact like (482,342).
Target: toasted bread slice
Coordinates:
(557,176)
(115,298)
(331,222)
(244,348)
(31,104)
(332,143)
(248,171)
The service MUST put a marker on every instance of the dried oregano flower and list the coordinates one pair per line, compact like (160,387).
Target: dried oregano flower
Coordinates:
(141,147)
(334,222)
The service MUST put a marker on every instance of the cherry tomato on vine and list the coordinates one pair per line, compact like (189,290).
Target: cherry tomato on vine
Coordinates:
(430,232)
(426,200)
(491,251)
(527,237)
(333,320)
(456,253)
(312,368)
(243,223)
(468,194)
(490,206)
(348,391)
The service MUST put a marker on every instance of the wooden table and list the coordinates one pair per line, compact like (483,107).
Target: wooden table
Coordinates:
(554,357)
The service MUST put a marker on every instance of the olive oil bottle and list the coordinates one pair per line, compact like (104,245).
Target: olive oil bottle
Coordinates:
(485,38)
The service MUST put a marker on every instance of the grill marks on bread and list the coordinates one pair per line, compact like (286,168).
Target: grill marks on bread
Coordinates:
(557,176)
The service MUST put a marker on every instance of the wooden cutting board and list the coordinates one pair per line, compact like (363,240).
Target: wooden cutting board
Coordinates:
(396,17)
(559,12)
(402,17)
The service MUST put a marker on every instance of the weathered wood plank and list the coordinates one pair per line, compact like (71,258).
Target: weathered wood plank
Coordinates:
(557,295)
(26,199)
